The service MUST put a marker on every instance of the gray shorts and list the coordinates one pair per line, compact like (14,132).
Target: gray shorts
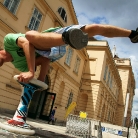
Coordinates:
(58,51)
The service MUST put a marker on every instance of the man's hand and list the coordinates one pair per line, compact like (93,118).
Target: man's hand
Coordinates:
(25,77)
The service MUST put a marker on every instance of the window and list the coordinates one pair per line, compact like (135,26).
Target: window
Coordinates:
(35,20)
(113,117)
(108,78)
(62,13)
(108,116)
(117,92)
(105,72)
(110,83)
(68,57)
(11,5)
(70,99)
(77,64)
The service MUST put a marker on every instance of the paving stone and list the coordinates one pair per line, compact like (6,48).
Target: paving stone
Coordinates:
(40,132)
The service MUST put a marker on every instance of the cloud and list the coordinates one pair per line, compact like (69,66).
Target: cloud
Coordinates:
(99,20)
(83,19)
(135,105)
(134,62)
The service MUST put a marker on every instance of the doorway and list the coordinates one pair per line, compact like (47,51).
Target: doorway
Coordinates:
(41,105)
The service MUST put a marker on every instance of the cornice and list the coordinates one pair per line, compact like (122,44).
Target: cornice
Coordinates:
(72,10)
(83,53)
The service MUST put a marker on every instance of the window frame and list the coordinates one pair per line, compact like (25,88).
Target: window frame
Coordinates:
(10,5)
(60,11)
(69,56)
(70,99)
(33,26)
(109,76)
(77,64)
(111,81)
(105,72)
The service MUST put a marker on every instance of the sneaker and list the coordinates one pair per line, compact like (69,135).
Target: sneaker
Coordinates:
(134,39)
(18,124)
(75,38)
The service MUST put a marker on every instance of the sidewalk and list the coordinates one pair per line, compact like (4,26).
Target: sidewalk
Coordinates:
(42,129)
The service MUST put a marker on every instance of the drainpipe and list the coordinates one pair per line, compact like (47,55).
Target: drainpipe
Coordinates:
(126,108)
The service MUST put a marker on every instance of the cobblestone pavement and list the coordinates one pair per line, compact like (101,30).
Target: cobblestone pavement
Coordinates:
(40,132)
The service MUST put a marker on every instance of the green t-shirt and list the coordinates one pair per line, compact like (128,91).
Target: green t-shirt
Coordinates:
(19,59)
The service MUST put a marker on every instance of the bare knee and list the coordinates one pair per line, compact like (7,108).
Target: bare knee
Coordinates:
(30,35)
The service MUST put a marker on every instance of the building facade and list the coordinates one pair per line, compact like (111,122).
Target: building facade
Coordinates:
(107,80)
(90,77)
(128,86)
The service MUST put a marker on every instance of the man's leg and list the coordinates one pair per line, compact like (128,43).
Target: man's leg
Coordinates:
(110,31)
(53,122)
(44,63)
(49,120)
(105,30)
(44,41)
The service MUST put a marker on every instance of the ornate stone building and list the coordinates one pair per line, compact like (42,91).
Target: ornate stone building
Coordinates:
(90,77)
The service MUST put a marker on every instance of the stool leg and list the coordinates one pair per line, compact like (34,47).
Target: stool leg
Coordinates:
(20,115)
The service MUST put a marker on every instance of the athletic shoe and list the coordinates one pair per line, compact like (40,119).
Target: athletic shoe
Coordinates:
(18,124)
(134,37)
(75,38)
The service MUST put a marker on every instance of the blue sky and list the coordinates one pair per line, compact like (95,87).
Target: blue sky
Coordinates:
(119,13)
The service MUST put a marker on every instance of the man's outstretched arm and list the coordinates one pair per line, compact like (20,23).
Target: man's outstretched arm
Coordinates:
(30,57)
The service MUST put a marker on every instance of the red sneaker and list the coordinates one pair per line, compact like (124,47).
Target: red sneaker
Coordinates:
(17,123)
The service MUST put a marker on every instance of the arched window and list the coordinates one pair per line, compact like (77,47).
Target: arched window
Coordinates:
(62,13)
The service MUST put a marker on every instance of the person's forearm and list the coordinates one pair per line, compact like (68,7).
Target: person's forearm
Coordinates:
(29,53)
(30,57)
